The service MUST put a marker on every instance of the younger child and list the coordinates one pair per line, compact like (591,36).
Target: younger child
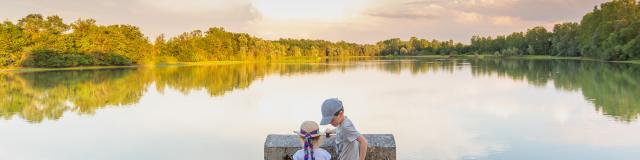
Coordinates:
(311,139)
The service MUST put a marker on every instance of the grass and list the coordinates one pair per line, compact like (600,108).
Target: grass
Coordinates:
(203,63)
(197,63)
(297,59)
(28,69)
(630,61)
(428,56)
(527,57)
(544,57)
(442,56)
(20,69)
(547,57)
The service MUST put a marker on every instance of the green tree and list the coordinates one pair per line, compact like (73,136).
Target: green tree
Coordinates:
(539,38)
(606,32)
(564,40)
(12,42)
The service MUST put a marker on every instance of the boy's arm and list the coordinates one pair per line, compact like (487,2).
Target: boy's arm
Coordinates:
(363,146)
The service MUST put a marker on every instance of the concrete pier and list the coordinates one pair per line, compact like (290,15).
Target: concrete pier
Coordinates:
(282,147)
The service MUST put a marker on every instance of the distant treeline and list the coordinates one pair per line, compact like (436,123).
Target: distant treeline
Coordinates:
(610,32)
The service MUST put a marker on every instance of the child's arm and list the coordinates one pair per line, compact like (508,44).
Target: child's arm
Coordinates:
(363,146)
(329,131)
(332,131)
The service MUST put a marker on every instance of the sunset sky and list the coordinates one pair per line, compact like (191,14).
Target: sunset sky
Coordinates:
(350,20)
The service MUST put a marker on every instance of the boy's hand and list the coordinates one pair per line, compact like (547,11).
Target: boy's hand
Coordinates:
(328,131)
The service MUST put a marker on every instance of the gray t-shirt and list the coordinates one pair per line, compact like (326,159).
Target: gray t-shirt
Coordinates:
(347,147)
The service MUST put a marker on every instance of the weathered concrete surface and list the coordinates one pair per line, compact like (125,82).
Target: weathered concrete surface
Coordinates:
(282,147)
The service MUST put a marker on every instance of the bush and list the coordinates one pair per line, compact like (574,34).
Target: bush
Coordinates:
(5,60)
(510,52)
(103,59)
(50,58)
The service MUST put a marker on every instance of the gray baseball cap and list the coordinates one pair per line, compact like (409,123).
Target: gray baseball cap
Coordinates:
(329,108)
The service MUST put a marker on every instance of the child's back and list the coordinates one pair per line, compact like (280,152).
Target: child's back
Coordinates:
(318,154)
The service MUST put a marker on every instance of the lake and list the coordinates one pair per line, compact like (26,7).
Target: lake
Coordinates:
(436,108)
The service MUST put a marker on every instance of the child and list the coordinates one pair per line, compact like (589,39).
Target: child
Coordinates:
(350,145)
(311,139)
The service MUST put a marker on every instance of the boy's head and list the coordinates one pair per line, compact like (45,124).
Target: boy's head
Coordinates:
(332,112)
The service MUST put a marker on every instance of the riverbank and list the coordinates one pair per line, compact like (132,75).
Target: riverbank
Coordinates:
(165,64)
(299,60)
(546,57)
(28,69)
(24,69)
(631,62)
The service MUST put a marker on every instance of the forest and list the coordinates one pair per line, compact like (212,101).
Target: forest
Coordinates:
(611,32)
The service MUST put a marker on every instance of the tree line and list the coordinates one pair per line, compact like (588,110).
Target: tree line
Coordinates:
(216,44)
(36,41)
(610,32)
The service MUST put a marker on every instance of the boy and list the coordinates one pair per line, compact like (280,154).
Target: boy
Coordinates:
(350,145)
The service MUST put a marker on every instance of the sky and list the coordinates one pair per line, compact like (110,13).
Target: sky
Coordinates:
(360,21)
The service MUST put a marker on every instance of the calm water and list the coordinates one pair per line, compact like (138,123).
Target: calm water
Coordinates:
(436,108)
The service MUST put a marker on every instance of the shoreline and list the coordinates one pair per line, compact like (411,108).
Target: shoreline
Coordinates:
(296,60)
(31,69)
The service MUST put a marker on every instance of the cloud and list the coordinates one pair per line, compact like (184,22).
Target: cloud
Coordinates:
(530,10)
(309,9)
(240,9)
(468,17)
(407,11)
(192,6)
(503,20)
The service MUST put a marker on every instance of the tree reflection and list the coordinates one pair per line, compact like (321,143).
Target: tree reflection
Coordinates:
(613,88)
(36,96)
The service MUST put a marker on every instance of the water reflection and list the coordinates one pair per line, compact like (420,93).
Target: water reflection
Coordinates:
(436,108)
(612,88)
(35,96)
(48,95)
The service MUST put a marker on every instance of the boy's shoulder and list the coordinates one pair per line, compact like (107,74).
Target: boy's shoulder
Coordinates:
(346,132)
(347,124)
